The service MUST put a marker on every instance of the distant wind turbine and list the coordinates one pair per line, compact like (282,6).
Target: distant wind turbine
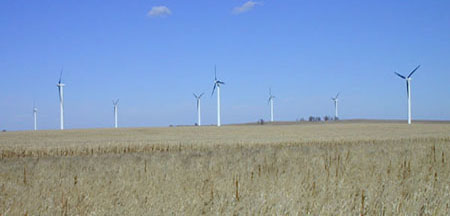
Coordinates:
(271,97)
(336,100)
(61,100)
(199,118)
(217,84)
(35,116)
(115,104)
(408,90)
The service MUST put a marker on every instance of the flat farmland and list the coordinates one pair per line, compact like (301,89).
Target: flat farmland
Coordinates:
(339,168)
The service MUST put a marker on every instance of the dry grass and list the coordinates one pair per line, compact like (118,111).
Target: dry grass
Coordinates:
(319,169)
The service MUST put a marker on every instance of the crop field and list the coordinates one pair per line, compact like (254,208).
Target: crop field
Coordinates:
(343,168)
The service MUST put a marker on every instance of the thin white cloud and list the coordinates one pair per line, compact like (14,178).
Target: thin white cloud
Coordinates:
(246,7)
(159,11)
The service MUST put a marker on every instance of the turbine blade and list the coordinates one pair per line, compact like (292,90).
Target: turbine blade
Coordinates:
(337,95)
(201,95)
(214,88)
(60,75)
(215,73)
(401,76)
(220,82)
(413,71)
(195,95)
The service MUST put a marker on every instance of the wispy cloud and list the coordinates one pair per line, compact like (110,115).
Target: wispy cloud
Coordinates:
(246,7)
(159,11)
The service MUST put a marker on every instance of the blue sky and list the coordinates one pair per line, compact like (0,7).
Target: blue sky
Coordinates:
(154,54)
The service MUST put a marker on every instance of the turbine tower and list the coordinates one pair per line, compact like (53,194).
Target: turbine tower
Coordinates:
(408,90)
(336,100)
(35,116)
(271,97)
(61,100)
(115,104)
(217,84)
(199,119)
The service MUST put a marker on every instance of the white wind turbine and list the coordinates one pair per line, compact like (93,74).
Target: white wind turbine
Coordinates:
(115,104)
(336,100)
(35,116)
(217,84)
(408,90)
(199,118)
(271,97)
(61,100)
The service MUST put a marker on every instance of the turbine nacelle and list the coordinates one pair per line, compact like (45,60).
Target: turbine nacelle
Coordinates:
(408,78)
(270,95)
(60,84)
(115,103)
(198,96)
(217,82)
(335,98)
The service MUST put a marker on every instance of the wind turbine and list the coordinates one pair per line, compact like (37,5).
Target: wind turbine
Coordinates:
(408,90)
(336,100)
(61,100)
(35,116)
(271,97)
(217,84)
(115,103)
(199,120)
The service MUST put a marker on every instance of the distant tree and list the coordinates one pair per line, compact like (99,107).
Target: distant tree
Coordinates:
(326,118)
(195,124)
(261,121)
(311,119)
(336,118)
(3,130)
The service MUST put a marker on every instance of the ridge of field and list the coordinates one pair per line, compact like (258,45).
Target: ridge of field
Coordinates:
(351,168)
(85,141)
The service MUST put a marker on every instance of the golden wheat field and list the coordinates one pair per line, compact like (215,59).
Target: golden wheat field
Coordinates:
(347,168)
